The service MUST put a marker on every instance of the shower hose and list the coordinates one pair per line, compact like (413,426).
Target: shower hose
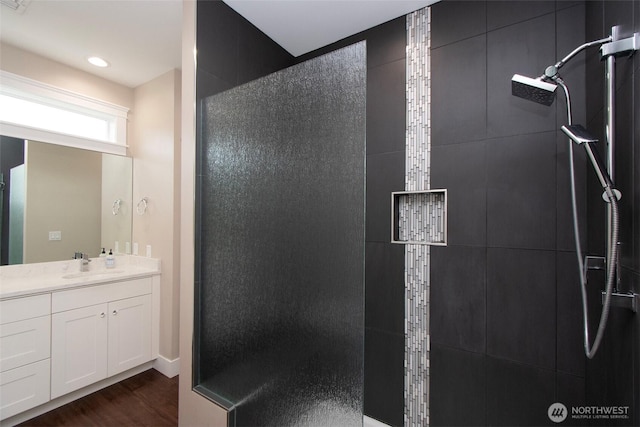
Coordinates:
(612,257)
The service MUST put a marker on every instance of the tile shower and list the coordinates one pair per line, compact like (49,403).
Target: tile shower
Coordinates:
(502,167)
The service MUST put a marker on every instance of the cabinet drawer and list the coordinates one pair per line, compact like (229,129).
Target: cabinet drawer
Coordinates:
(24,388)
(13,310)
(24,342)
(99,294)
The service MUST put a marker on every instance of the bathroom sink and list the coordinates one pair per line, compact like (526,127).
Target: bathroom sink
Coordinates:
(92,274)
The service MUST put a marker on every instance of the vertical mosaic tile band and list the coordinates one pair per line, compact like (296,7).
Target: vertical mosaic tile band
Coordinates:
(416,362)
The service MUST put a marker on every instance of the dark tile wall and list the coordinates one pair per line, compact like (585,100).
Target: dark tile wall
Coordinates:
(613,376)
(384,271)
(506,319)
(231,50)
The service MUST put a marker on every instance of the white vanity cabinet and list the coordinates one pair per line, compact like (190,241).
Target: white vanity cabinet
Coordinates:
(99,331)
(24,353)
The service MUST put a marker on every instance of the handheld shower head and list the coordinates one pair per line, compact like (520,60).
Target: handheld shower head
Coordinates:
(581,136)
(578,134)
(534,90)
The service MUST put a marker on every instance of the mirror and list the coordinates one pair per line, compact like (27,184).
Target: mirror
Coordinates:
(59,200)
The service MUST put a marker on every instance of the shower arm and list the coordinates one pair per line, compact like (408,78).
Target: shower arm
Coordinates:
(552,71)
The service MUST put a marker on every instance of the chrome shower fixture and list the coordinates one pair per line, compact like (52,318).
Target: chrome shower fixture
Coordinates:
(535,90)
(581,136)
(542,90)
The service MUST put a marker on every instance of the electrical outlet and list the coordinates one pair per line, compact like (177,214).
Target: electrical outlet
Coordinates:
(55,235)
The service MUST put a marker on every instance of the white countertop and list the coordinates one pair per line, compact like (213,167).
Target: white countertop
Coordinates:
(31,279)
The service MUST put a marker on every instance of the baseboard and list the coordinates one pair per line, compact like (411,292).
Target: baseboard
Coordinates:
(371,422)
(168,368)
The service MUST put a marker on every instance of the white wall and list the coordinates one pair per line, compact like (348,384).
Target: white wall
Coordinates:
(155,172)
(27,64)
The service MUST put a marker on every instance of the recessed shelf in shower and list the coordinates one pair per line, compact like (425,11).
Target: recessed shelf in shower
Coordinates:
(419,217)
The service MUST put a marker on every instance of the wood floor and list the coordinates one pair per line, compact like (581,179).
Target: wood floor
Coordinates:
(147,399)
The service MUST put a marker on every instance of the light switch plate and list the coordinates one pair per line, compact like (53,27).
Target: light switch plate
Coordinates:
(55,235)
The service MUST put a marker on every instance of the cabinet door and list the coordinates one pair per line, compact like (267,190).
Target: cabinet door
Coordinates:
(129,333)
(78,348)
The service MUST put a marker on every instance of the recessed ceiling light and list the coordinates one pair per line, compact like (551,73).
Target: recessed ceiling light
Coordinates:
(97,61)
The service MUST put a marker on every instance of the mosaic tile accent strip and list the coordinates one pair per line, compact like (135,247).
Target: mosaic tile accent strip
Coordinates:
(416,394)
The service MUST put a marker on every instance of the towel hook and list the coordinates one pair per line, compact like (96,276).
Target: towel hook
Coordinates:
(142,205)
(115,208)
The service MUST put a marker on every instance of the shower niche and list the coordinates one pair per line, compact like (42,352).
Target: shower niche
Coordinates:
(280,211)
(419,217)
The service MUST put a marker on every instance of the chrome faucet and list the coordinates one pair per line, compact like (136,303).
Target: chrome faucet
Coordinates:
(84,261)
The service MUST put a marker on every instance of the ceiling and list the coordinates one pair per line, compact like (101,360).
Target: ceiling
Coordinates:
(141,39)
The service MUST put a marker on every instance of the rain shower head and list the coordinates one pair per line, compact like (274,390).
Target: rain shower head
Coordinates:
(534,90)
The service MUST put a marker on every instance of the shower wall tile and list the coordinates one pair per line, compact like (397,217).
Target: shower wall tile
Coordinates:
(595,19)
(569,35)
(636,168)
(595,209)
(387,43)
(466,190)
(518,395)
(624,167)
(459,103)
(620,13)
(384,376)
(384,289)
(567,3)
(610,376)
(570,333)
(521,306)
(458,297)
(521,191)
(385,173)
(217,44)
(209,84)
(457,20)
(258,55)
(502,13)
(525,48)
(386,109)
(460,378)
(233,50)
(594,16)
(570,390)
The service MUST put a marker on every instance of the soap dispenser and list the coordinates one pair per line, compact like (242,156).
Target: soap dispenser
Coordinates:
(103,253)
(110,260)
